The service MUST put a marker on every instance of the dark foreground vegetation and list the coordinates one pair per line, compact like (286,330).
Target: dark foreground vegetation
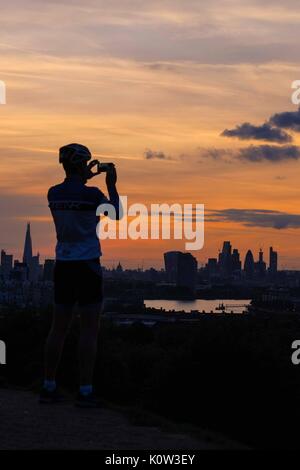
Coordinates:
(229,374)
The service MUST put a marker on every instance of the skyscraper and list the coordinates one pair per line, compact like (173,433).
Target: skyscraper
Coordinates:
(27,253)
(260,265)
(249,265)
(273,262)
(181,268)
(6,265)
(236,262)
(225,260)
(171,265)
(187,271)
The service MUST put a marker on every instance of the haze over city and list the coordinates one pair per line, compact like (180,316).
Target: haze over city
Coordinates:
(187,98)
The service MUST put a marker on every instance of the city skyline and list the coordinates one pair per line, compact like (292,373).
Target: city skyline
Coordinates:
(28,256)
(229,265)
(30,281)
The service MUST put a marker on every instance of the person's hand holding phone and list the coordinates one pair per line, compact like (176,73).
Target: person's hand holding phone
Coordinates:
(108,168)
(89,173)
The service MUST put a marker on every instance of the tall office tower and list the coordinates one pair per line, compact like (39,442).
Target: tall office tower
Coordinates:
(273,261)
(249,265)
(235,261)
(260,266)
(225,260)
(187,271)
(27,253)
(6,265)
(181,268)
(48,270)
(171,265)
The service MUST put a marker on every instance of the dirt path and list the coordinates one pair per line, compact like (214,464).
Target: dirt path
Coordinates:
(24,424)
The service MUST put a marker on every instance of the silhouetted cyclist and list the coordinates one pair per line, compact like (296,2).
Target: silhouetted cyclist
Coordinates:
(77,273)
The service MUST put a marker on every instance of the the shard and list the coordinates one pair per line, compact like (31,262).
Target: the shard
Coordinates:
(27,254)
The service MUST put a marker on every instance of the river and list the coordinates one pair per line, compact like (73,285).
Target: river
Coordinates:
(237,306)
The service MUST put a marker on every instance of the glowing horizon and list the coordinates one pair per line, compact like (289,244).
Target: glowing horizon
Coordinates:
(129,77)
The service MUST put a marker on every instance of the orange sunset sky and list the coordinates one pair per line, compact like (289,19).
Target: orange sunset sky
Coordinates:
(157,79)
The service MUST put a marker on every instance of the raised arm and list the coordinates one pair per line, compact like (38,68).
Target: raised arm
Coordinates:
(111,181)
(114,199)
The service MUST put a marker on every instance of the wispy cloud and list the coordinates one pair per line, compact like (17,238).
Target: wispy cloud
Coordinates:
(255,218)
(254,154)
(269,153)
(156,155)
(143,30)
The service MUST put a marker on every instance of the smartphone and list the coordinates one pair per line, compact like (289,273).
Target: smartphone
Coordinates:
(104,167)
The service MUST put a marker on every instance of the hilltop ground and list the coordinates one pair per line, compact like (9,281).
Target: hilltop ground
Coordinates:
(24,424)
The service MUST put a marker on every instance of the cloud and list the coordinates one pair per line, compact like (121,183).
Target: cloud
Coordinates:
(256,218)
(287,120)
(215,153)
(269,153)
(247,131)
(280,178)
(154,154)
(225,155)
(270,131)
(252,154)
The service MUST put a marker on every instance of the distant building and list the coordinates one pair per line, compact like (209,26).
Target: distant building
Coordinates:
(48,270)
(273,262)
(20,272)
(171,265)
(225,260)
(235,261)
(27,253)
(181,268)
(119,268)
(249,266)
(34,270)
(212,267)
(6,265)
(187,271)
(260,265)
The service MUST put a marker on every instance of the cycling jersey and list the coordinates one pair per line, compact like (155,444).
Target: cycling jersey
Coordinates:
(73,206)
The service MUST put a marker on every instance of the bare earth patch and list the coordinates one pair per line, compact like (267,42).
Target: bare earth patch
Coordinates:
(25,424)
